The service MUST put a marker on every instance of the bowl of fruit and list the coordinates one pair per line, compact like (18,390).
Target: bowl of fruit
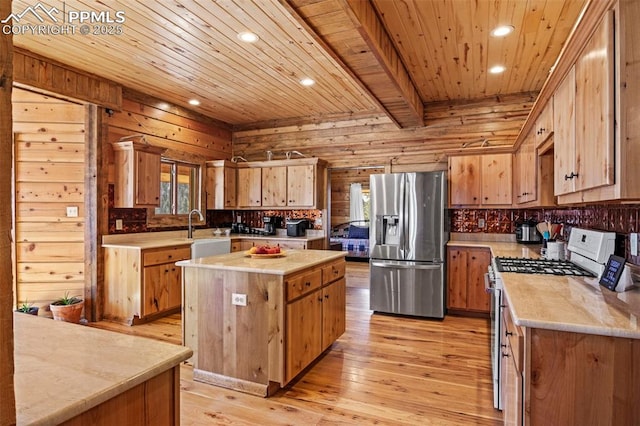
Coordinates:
(265,251)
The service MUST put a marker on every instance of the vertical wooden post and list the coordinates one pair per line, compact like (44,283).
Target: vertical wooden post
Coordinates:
(7,401)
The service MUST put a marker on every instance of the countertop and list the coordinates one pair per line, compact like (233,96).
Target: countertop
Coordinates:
(574,304)
(63,369)
(150,240)
(293,261)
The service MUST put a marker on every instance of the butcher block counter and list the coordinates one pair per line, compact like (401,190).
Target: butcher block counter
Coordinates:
(256,323)
(570,347)
(69,373)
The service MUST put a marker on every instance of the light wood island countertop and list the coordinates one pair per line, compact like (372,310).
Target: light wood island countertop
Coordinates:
(63,369)
(293,261)
(572,304)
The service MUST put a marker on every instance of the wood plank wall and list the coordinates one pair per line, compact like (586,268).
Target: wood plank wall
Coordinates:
(49,138)
(7,394)
(378,142)
(341,180)
(35,71)
(183,132)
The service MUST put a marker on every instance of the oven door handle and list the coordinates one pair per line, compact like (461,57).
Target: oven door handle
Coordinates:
(487,284)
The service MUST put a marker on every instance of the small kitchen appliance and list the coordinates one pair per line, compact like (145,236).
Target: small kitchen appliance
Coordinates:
(297,227)
(526,232)
(271,224)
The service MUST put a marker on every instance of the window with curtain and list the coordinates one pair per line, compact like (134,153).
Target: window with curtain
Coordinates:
(356,202)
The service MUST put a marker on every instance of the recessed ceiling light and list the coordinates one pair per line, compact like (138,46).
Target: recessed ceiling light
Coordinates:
(497,69)
(248,37)
(502,30)
(307,81)
(194,102)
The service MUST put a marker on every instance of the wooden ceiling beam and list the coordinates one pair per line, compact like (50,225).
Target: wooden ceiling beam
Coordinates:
(364,49)
(408,110)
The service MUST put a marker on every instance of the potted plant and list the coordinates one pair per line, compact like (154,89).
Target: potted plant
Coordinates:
(67,308)
(27,308)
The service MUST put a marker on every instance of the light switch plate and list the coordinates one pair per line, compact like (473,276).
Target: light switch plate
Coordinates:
(633,242)
(481,223)
(118,224)
(238,299)
(72,211)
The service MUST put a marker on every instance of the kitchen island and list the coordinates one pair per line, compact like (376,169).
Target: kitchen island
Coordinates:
(255,323)
(569,347)
(72,374)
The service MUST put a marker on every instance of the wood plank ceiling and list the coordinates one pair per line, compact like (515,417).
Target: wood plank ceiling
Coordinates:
(367,57)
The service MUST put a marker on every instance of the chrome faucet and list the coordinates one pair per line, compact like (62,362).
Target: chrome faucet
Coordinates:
(190,230)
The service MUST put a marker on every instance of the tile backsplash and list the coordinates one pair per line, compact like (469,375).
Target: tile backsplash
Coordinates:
(622,219)
(135,220)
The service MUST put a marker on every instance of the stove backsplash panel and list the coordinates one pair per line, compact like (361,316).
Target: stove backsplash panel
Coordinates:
(622,219)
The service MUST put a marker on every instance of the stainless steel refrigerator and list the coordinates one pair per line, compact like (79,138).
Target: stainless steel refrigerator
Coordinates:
(407,243)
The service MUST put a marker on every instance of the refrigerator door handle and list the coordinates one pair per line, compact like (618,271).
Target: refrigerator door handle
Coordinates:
(413,266)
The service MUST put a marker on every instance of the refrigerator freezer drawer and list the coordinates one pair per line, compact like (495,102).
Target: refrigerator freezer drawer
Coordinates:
(408,288)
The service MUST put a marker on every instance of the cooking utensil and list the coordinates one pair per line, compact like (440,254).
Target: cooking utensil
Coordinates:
(542,227)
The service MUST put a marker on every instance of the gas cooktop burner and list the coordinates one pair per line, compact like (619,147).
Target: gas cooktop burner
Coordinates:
(539,266)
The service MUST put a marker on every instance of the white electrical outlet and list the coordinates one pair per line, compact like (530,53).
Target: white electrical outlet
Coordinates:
(118,224)
(72,211)
(633,242)
(480,223)
(238,299)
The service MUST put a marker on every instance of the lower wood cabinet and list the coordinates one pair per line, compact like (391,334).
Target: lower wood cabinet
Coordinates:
(315,314)
(466,267)
(143,284)
(554,377)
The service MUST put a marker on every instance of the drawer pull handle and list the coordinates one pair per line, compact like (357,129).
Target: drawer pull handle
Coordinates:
(308,284)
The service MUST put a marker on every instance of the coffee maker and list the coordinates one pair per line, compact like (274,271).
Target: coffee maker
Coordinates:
(271,223)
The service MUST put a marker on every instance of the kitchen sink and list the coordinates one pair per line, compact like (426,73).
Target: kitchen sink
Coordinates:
(203,247)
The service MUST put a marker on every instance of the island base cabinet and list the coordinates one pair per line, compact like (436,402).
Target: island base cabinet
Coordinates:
(287,322)
(234,345)
(304,333)
(581,379)
(334,304)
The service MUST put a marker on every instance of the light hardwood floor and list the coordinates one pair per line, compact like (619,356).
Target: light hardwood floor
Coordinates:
(384,370)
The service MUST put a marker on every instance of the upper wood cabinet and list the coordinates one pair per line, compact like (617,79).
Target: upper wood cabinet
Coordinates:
(137,174)
(299,183)
(480,180)
(584,106)
(274,186)
(533,174)
(544,125)
(564,140)
(301,186)
(249,187)
(220,185)
(595,138)
(525,171)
